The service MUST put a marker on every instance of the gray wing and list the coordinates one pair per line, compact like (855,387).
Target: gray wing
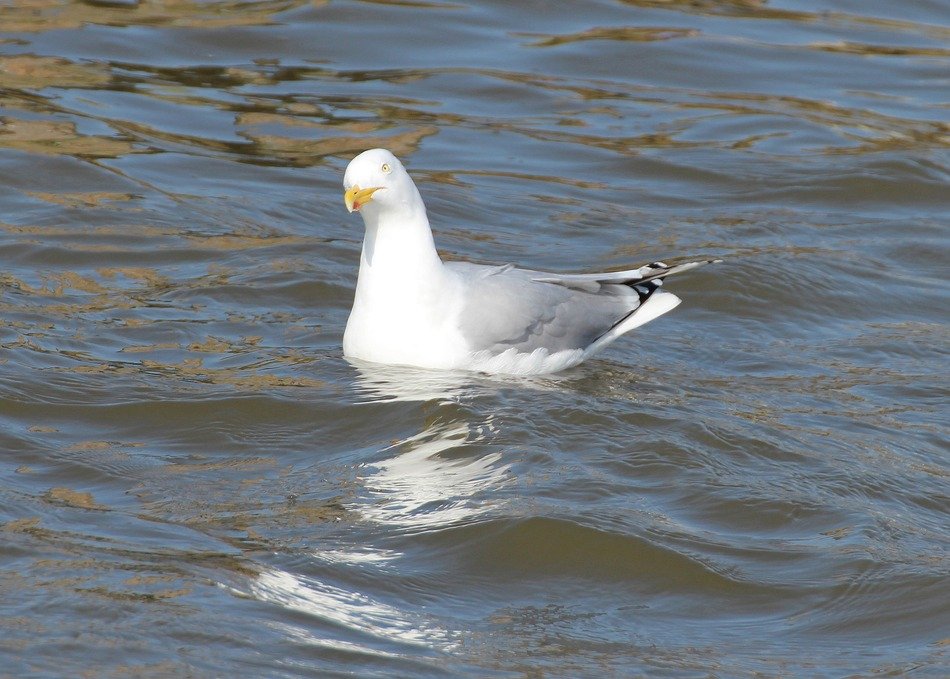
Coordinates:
(507,307)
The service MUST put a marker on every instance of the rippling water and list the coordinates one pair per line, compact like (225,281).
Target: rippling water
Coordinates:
(196,483)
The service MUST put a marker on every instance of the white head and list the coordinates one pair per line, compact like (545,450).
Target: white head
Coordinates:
(375,181)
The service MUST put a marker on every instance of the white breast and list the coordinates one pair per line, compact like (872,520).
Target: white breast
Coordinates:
(407,322)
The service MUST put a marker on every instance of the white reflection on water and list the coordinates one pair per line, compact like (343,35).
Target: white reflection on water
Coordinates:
(438,477)
(379,383)
(429,484)
(390,383)
(353,611)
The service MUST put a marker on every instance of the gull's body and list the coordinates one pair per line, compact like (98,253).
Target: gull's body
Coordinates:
(412,309)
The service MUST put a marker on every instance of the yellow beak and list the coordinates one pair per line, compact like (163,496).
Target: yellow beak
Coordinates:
(355,197)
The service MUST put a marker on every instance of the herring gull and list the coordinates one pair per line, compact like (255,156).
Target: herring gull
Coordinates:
(411,308)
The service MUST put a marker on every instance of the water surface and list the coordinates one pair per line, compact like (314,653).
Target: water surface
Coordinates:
(196,483)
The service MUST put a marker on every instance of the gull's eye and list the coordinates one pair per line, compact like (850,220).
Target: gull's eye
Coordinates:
(386,169)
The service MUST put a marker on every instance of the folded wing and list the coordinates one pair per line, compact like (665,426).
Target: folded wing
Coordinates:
(506,307)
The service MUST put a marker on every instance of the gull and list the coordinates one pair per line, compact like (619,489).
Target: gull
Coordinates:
(413,309)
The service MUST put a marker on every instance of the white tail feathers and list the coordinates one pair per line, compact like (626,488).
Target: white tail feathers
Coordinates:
(656,305)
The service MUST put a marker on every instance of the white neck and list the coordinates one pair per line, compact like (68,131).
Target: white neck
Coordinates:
(398,240)
(400,289)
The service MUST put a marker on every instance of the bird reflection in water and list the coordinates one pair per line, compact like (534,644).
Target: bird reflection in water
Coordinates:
(442,475)
(432,481)
(439,477)
(342,619)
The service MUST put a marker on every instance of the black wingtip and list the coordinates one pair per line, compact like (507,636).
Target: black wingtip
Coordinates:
(662,270)
(645,290)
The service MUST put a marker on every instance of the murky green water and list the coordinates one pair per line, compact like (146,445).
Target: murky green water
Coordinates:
(196,483)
